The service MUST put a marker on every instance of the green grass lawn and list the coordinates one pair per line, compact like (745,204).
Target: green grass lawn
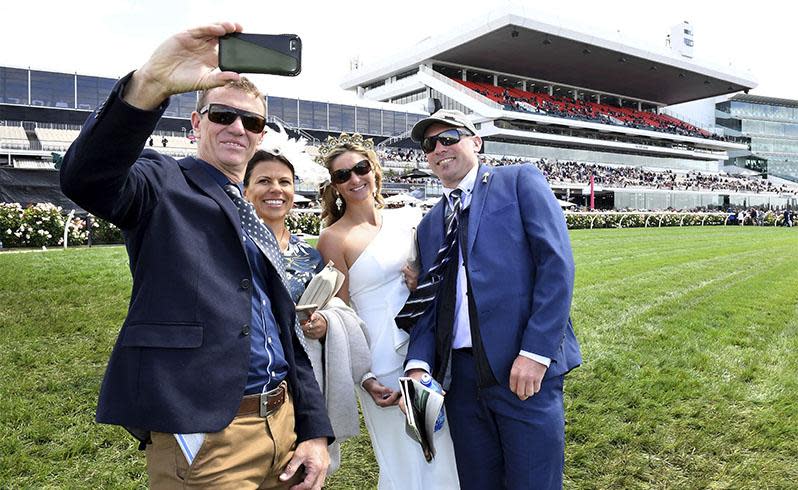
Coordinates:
(690,341)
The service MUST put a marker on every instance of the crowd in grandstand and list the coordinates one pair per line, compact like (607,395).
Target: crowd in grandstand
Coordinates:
(571,108)
(402,155)
(619,176)
(572,172)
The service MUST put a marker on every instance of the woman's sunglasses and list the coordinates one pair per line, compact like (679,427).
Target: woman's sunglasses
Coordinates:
(342,175)
(226,115)
(447,138)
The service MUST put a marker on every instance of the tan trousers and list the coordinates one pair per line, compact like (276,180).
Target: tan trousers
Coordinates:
(250,453)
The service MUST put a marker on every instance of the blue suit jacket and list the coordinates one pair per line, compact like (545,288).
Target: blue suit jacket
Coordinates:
(180,362)
(521,269)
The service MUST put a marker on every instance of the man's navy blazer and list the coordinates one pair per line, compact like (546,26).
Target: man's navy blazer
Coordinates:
(520,267)
(181,360)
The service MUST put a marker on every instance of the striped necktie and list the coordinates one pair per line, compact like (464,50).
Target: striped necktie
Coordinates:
(422,298)
(263,237)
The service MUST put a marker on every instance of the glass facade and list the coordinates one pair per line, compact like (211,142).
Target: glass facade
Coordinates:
(748,110)
(449,103)
(650,200)
(323,116)
(348,118)
(52,89)
(751,127)
(182,105)
(70,91)
(13,86)
(772,129)
(305,114)
(92,91)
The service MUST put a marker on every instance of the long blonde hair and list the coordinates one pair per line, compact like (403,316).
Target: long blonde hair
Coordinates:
(330,211)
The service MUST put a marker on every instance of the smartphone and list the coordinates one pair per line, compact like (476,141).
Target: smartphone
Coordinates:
(304,312)
(273,54)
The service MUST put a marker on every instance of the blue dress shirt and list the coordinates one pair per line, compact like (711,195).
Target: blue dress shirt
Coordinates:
(267,364)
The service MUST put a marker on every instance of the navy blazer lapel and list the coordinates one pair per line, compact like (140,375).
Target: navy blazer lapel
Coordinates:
(478,196)
(205,182)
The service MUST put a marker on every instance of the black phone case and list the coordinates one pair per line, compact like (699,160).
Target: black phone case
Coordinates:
(276,42)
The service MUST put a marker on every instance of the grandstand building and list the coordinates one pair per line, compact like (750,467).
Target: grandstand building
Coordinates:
(643,122)
(541,90)
(41,113)
(770,127)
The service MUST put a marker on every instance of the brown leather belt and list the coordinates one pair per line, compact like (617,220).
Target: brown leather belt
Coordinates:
(263,404)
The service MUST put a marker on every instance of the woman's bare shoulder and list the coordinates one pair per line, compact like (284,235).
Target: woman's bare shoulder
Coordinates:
(335,231)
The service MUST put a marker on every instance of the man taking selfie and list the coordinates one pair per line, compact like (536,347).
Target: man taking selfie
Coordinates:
(207,370)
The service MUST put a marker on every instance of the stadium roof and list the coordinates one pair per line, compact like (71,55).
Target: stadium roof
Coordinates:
(758,99)
(512,44)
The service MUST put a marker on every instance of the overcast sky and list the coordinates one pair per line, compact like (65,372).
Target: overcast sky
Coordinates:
(111,37)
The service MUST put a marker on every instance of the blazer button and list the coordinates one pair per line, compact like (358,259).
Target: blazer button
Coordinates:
(245,330)
(244,284)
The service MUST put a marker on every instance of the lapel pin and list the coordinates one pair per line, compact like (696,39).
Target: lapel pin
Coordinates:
(485,177)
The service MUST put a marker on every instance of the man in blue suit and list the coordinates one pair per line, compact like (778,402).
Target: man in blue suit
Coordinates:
(498,335)
(208,371)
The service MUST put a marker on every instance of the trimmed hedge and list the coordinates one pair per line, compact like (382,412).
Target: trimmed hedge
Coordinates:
(653,219)
(42,225)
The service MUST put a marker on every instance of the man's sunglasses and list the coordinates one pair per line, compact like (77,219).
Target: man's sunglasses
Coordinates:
(226,115)
(342,175)
(447,138)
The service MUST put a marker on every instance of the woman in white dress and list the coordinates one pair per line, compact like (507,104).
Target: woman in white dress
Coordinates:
(371,248)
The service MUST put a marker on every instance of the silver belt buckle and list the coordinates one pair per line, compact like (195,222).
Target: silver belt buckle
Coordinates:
(263,404)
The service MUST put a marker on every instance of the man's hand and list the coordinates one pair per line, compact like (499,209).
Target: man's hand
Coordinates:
(411,276)
(185,62)
(526,376)
(381,394)
(313,454)
(315,327)
(415,374)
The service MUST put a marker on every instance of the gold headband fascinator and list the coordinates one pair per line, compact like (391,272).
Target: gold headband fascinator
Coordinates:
(331,143)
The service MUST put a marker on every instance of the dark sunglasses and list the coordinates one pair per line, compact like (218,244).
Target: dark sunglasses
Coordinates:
(342,175)
(447,138)
(226,115)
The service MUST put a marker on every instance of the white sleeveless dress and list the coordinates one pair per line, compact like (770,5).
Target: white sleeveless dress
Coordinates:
(377,293)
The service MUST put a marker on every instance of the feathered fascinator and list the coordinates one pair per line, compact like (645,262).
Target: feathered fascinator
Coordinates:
(308,171)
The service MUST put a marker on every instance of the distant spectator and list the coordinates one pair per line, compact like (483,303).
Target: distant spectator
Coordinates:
(164,141)
(151,142)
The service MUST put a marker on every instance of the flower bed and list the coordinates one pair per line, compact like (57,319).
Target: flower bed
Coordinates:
(612,219)
(307,223)
(43,224)
(38,226)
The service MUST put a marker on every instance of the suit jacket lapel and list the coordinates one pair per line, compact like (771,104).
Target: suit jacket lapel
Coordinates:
(436,229)
(205,182)
(478,195)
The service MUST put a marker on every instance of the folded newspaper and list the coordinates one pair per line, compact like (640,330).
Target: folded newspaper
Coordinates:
(423,406)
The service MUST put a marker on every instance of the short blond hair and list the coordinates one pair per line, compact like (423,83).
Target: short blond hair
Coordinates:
(243,84)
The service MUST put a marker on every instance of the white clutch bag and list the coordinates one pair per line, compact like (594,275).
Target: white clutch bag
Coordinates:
(322,287)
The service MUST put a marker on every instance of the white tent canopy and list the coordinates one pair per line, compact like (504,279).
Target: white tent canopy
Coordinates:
(402,199)
(565,204)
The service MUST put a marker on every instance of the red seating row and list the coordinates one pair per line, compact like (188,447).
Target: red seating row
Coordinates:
(566,107)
